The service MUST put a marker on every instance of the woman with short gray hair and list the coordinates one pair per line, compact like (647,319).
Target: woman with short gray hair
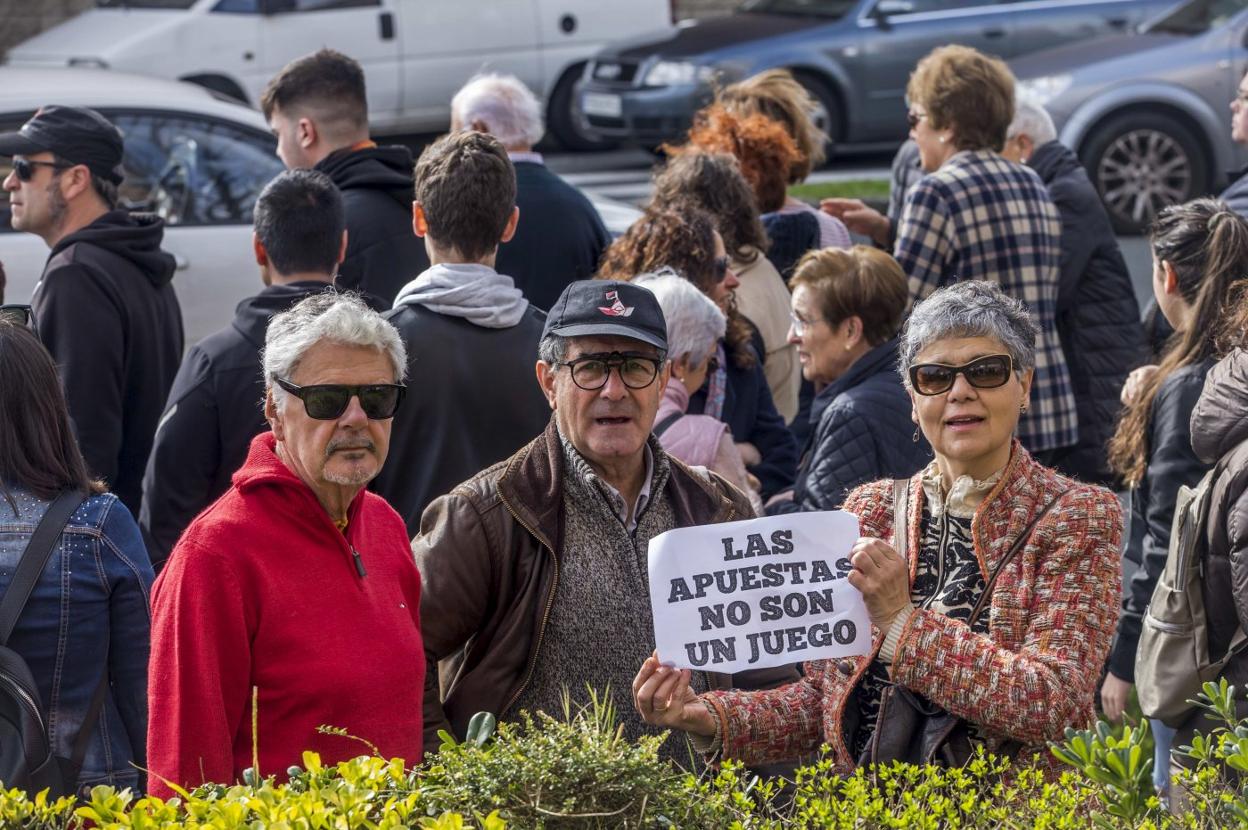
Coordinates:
(990,580)
(694,327)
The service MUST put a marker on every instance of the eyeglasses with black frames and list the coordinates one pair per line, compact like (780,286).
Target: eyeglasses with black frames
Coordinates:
(590,372)
(987,372)
(328,401)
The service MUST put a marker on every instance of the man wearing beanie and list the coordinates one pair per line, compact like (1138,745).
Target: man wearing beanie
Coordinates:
(104,307)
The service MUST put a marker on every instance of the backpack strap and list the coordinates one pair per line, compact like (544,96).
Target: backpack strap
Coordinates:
(35,558)
(666,424)
(1018,545)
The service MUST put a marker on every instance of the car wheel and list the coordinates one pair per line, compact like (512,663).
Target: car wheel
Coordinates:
(220,85)
(827,115)
(564,123)
(1141,163)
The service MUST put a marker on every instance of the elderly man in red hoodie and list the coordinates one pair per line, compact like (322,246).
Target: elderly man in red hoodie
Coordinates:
(294,596)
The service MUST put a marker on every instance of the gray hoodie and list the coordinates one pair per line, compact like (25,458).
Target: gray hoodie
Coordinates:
(477,293)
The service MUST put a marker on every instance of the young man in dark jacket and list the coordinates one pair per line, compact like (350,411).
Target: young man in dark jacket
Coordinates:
(470,334)
(214,407)
(540,262)
(1098,316)
(316,107)
(105,307)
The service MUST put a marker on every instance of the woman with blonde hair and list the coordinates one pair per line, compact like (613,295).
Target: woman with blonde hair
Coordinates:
(776,94)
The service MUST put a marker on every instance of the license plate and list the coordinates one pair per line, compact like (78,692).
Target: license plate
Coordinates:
(601,104)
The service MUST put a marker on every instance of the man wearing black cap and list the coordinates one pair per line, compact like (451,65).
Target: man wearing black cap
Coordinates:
(104,307)
(534,572)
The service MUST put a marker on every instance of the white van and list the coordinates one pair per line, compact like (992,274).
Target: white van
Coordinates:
(415,53)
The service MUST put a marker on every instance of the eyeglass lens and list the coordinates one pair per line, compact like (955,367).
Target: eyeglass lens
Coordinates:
(636,372)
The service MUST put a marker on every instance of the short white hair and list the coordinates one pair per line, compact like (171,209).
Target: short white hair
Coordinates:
(1033,121)
(326,317)
(694,323)
(508,109)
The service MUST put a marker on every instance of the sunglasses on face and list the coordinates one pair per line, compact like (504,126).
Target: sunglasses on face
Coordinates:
(720,269)
(982,373)
(913,118)
(328,401)
(18,315)
(25,168)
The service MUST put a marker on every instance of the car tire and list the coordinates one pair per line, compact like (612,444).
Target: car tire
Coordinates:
(1140,162)
(828,116)
(218,84)
(562,121)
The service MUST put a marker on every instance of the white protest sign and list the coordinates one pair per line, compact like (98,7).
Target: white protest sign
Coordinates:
(758,593)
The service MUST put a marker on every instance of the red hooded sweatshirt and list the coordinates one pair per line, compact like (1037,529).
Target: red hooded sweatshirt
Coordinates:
(263,591)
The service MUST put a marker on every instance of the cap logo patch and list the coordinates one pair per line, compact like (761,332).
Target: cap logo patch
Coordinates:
(617,308)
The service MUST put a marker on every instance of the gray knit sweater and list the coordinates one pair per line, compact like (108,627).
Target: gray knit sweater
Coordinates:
(600,628)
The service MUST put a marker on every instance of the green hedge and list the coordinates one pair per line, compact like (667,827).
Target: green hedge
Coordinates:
(580,772)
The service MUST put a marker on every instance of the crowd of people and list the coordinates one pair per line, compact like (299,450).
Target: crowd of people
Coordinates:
(416,477)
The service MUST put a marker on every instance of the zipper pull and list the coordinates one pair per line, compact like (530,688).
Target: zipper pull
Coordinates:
(359,563)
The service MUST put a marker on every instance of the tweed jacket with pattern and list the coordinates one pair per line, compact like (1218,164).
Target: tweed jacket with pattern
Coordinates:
(1033,674)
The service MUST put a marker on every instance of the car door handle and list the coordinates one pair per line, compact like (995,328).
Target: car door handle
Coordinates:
(386,20)
(994,33)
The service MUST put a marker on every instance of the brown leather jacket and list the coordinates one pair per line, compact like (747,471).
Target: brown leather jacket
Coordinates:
(487,554)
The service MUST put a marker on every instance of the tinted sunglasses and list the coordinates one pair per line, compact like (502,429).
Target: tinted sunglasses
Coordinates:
(18,315)
(982,373)
(720,269)
(25,168)
(328,401)
(913,119)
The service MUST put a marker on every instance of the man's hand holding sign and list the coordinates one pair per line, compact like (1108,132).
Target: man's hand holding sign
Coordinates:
(758,593)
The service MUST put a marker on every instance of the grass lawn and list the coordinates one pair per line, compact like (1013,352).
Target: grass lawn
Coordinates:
(874,190)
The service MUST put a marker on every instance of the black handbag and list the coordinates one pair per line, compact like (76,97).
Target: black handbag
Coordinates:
(908,727)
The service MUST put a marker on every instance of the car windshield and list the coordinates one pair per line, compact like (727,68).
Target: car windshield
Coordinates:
(801,8)
(1197,17)
(144,4)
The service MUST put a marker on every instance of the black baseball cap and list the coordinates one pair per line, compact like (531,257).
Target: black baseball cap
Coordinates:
(589,307)
(76,134)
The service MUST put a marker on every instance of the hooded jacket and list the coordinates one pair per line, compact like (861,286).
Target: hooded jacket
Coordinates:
(214,410)
(383,252)
(1098,318)
(106,310)
(263,592)
(861,432)
(471,346)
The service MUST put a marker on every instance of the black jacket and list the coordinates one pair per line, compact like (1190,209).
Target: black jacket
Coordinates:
(107,312)
(791,235)
(383,252)
(1098,317)
(559,238)
(214,410)
(1171,464)
(751,415)
(862,432)
(1236,195)
(473,400)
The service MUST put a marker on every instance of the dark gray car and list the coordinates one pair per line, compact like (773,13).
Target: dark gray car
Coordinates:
(854,56)
(1149,114)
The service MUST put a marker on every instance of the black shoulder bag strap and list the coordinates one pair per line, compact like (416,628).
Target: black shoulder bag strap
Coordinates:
(666,424)
(29,568)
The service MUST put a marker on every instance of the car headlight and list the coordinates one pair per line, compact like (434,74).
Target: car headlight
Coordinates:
(89,63)
(1042,90)
(678,73)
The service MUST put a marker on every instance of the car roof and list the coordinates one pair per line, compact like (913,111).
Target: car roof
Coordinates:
(25,89)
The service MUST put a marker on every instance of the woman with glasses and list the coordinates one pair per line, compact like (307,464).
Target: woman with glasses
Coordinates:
(847,309)
(83,632)
(694,327)
(1236,195)
(684,239)
(978,216)
(1199,249)
(991,581)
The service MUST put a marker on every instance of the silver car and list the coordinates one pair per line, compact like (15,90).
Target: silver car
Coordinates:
(1149,113)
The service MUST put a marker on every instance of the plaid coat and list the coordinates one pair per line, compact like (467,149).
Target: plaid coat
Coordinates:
(1051,618)
(980,217)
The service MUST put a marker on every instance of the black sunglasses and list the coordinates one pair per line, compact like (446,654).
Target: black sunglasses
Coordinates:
(982,373)
(328,401)
(25,168)
(721,269)
(913,119)
(18,315)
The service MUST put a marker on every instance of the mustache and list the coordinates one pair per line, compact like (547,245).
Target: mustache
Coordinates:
(350,442)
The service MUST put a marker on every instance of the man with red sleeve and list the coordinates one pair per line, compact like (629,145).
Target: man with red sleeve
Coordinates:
(295,591)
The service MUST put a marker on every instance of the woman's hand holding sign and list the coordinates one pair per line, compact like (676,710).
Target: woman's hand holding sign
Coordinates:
(883,577)
(663,698)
